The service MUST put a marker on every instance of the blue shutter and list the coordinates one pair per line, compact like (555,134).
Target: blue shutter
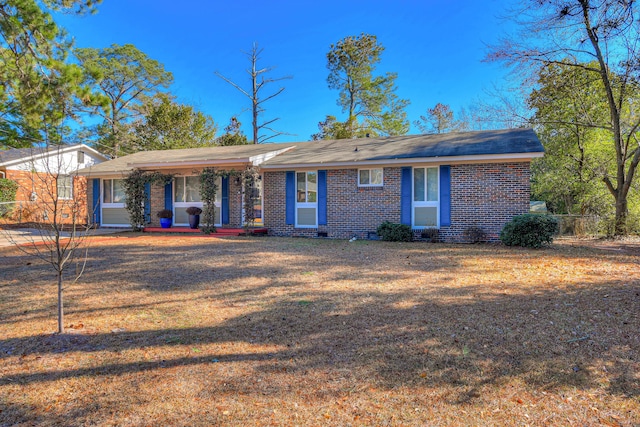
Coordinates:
(405,196)
(290,198)
(147,203)
(445,196)
(225,200)
(95,206)
(168,196)
(322,197)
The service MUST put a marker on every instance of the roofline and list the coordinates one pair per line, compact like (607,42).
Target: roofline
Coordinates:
(493,158)
(171,165)
(255,160)
(521,157)
(92,174)
(34,155)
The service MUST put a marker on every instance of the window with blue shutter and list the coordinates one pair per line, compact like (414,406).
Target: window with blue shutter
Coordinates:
(96,201)
(445,196)
(290,194)
(147,203)
(405,196)
(168,196)
(322,197)
(225,200)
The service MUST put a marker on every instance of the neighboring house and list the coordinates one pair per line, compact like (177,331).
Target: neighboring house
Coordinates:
(344,188)
(45,174)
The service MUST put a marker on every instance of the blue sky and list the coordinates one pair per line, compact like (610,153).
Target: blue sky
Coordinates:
(436,47)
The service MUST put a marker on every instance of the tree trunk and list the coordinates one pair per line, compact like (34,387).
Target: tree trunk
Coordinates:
(621,216)
(60,306)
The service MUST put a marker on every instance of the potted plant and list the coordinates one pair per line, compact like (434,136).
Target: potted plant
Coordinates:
(194,216)
(165,216)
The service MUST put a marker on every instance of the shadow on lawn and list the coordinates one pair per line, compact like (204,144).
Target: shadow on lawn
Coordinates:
(549,340)
(462,337)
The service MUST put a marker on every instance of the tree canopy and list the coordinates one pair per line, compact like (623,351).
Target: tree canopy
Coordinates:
(568,111)
(232,134)
(438,119)
(38,87)
(600,38)
(167,125)
(370,102)
(123,79)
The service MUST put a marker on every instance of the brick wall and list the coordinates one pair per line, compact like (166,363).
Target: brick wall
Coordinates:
(45,188)
(351,210)
(482,195)
(486,196)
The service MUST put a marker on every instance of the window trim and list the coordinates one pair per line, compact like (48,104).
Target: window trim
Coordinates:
(426,203)
(369,170)
(306,205)
(70,178)
(183,205)
(102,202)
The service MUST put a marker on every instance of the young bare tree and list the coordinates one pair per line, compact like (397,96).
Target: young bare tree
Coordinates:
(58,215)
(258,83)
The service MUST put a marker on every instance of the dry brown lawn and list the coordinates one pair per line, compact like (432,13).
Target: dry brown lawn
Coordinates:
(273,331)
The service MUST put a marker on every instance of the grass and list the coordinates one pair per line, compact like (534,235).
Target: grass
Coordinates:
(273,331)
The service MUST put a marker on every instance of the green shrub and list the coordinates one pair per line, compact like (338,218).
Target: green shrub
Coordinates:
(529,230)
(395,232)
(8,189)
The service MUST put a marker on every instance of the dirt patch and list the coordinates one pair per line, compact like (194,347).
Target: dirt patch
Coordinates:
(269,331)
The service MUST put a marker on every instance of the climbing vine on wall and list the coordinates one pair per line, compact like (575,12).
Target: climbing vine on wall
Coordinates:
(135,197)
(209,189)
(250,177)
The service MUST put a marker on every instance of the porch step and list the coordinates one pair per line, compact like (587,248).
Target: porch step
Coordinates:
(219,231)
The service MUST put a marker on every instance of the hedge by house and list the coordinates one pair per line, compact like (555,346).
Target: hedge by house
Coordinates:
(529,230)
(394,232)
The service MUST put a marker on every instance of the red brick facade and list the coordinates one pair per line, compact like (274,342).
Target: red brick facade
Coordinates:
(482,195)
(36,193)
(486,195)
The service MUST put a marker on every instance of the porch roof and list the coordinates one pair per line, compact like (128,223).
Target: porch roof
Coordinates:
(189,157)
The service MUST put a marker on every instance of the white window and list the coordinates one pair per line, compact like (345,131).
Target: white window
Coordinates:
(307,199)
(187,189)
(113,192)
(426,206)
(80,157)
(64,184)
(370,177)
(186,193)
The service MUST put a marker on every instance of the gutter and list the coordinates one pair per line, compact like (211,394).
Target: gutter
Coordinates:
(483,158)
